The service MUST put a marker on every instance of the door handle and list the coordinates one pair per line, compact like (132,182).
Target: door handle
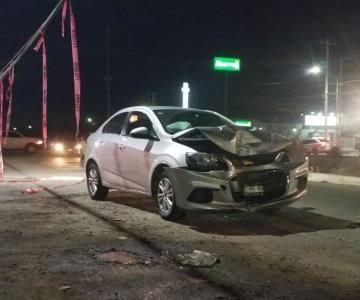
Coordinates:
(121,147)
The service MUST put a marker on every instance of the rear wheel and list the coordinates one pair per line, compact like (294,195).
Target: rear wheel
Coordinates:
(94,184)
(166,200)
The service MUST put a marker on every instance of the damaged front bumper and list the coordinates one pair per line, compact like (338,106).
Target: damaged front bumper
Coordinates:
(282,184)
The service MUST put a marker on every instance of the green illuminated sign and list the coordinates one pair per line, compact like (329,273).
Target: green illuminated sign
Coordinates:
(243,123)
(227,64)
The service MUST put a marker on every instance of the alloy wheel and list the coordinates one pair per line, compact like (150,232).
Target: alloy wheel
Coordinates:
(93,181)
(165,196)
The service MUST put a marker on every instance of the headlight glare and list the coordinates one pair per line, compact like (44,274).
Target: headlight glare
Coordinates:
(58,147)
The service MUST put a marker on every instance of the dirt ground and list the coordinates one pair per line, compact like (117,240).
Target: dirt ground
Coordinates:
(50,244)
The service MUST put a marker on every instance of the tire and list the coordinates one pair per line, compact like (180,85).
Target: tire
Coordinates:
(94,184)
(166,199)
(31,148)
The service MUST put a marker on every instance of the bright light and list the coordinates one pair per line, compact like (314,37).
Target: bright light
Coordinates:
(89,120)
(332,114)
(243,123)
(314,70)
(294,130)
(58,147)
(78,147)
(185,92)
(29,126)
(312,113)
(301,115)
(260,128)
(39,142)
(311,120)
(14,128)
(319,113)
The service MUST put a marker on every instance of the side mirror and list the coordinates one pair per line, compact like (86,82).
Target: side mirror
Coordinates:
(141,133)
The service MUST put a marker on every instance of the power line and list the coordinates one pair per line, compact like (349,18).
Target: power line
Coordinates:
(14,60)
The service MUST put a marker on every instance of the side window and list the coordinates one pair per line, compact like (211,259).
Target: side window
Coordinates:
(116,124)
(139,119)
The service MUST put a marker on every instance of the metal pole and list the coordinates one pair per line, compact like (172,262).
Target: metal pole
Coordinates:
(153,98)
(340,89)
(326,92)
(226,94)
(337,114)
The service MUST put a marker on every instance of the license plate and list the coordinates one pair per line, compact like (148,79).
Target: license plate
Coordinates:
(253,190)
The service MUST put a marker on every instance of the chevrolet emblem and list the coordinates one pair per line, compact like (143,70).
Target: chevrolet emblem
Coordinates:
(247,162)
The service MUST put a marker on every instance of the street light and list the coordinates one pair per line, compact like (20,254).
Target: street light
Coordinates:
(185,94)
(314,70)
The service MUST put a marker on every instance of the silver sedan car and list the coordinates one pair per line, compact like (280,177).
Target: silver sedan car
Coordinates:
(193,160)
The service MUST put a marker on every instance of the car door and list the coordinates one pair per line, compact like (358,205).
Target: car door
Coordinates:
(107,149)
(136,156)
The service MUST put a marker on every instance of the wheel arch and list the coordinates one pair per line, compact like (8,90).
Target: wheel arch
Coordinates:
(159,168)
(89,161)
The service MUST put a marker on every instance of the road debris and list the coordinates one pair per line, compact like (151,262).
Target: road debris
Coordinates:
(29,191)
(64,288)
(197,259)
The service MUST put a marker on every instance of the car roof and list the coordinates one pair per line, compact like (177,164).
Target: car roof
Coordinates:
(152,108)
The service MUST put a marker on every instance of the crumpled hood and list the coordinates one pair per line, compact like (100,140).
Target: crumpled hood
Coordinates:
(239,141)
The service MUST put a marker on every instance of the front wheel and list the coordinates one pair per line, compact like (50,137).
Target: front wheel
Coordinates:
(94,184)
(31,148)
(166,200)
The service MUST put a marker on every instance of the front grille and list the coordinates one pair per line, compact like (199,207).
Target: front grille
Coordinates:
(274,182)
(252,160)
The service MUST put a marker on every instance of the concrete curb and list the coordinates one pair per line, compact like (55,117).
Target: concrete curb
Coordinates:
(335,179)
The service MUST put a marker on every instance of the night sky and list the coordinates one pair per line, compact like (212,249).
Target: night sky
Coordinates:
(156,45)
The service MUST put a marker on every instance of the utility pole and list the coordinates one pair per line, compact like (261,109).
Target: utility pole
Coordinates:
(337,112)
(153,98)
(108,76)
(327,44)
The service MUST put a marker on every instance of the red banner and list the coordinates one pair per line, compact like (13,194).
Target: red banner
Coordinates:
(63,17)
(40,43)
(9,96)
(76,68)
(1,130)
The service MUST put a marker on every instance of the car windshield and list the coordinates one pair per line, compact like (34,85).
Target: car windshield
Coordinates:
(176,120)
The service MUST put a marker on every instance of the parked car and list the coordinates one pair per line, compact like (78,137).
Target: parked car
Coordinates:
(191,159)
(18,141)
(315,145)
(65,145)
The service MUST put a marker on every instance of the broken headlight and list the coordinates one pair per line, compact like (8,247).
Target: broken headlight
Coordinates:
(205,161)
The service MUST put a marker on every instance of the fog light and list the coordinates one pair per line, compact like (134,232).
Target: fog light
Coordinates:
(201,195)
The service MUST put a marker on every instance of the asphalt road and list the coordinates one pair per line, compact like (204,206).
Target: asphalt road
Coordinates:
(49,242)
